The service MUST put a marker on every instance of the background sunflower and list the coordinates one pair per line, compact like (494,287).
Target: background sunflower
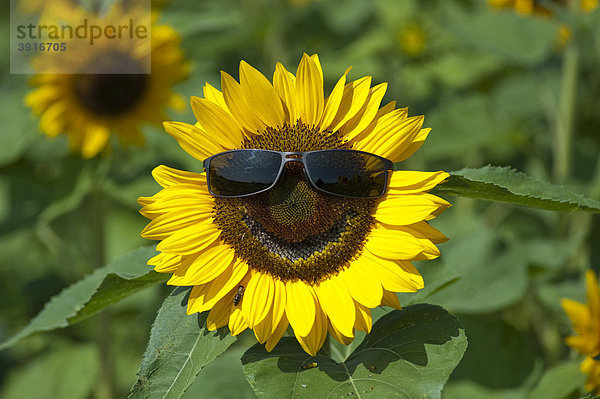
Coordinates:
(109,90)
(495,90)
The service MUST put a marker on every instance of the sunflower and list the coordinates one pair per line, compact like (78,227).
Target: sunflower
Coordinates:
(114,86)
(586,323)
(412,39)
(293,255)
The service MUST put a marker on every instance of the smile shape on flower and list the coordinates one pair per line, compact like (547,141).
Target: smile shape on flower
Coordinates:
(305,257)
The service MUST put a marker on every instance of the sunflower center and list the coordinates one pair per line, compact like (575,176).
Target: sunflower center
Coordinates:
(105,90)
(294,231)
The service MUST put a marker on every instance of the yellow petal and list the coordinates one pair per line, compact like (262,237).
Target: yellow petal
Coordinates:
(353,99)
(219,315)
(193,140)
(52,119)
(165,263)
(165,225)
(95,140)
(362,284)
(313,341)
(393,243)
(390,299)
(593,293)
(277,333)
(177,198)
(258,298)
(341,338)
(237,323)
(218,123)
(367,113)
(411,182)
(190,240)
(391,276)
(577,312)
(430,251)
(284,83)
(393,132)
(364,321)
(279,300)
(262,330)
(332,104)
(300,307)
(260,93)
(337,303)
(166,176)
(427,230)
(204,297)
(309,91)
(411,272)
(238,106)
(407,209)
(215,96)
(209,264)
(364,140)
(400,153)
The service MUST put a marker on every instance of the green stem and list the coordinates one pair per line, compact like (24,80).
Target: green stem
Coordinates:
(97,219)
(566,112)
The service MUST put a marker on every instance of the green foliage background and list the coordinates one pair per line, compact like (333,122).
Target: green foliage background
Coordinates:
(491,84)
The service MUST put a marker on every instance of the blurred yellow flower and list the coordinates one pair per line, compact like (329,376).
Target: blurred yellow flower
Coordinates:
(528,7)
(412,39)
(90,106)
(586,323)
(525,7)
(292,254)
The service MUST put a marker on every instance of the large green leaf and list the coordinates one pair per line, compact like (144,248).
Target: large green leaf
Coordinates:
(504,184)
(105,286)
(180,346)
(409,353)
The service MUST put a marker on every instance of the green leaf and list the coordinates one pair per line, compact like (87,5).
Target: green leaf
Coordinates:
(105,286)
(504,184)
(19,128)
(499,355)
(180,346)
(468,389)
(489,280)
(560,381)
(409,353)
(223,378)
(69,372)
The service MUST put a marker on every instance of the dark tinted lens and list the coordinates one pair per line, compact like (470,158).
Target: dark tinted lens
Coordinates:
(244,172)
(348,173)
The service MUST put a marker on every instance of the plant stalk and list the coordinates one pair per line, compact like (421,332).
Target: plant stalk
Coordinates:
(566,112)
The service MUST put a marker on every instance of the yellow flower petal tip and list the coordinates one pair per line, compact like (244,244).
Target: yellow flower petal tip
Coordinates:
(585,318)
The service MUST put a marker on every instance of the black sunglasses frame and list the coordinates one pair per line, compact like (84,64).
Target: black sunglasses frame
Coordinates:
(297,157)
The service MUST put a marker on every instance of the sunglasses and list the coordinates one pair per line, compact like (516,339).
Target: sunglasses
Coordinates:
(347,173)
